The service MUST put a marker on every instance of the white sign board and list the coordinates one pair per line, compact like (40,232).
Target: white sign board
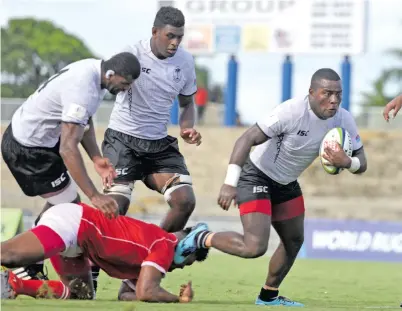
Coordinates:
(282,26)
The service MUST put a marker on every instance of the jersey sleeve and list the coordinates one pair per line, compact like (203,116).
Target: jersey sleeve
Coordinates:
(277,122)
(161,255)
(349,123)
(190,86)
(79,104)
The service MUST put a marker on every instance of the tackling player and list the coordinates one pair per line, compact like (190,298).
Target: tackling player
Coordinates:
(125,248)
(40,146)
(264,183)
(137,142)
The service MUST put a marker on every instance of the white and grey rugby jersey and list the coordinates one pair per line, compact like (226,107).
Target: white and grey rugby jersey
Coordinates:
(72,95)
(144,110)
(296,134)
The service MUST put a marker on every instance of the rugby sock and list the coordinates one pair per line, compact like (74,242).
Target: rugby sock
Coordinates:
(95,274)
(268,294)
(39,288)
(202,238)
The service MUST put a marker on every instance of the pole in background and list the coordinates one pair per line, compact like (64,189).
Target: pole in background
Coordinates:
(287,73)
(174,112)
(231,93)
(346,69)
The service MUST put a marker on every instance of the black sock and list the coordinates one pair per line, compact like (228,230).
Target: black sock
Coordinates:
(95,274)
(202,238)
(268,294)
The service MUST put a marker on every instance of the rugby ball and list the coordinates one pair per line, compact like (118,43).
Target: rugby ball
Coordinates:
(333,136)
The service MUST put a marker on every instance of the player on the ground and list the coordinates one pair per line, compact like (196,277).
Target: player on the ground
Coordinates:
(125,248)
(40,146)
(265,186)
(136,141)
(394,105)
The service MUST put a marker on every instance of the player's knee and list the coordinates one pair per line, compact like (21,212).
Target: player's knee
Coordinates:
(251,249)
(179,193)
(122,194)
(256,250)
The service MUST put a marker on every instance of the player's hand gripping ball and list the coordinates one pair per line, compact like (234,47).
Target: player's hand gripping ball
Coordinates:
(339,142)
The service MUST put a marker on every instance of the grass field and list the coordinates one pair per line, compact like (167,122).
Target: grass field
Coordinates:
(227,283)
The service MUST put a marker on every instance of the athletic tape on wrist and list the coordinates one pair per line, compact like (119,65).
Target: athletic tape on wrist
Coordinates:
(355,165)
(232,175)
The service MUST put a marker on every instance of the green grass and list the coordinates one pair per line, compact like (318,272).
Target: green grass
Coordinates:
(228,283)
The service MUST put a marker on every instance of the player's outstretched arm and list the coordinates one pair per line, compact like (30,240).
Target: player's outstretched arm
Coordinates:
(394,105)
(89,142)
(102,165)
(71,136)
(148,288)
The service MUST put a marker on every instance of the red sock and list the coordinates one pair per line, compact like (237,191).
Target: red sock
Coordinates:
(42,289)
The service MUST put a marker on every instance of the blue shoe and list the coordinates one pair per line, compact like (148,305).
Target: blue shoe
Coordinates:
(188,245)
(279,301)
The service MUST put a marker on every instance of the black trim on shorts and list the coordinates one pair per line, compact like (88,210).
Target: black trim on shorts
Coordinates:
(189,95)
(136,158)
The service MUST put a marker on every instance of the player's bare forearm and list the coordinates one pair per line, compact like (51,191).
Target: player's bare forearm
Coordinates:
(71,135)
(89,142)
(361,155)
(148,287)
(252,137)
(158,295)
(187,111)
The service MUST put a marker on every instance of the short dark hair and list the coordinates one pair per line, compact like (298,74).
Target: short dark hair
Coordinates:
(123,64)
(324,74)
(200,254)
(168,15)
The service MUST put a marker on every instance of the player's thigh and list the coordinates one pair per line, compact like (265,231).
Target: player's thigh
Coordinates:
(165,166)
(117,147)
(288,213)
(38,171)
(165,157)
(254,202)
(287,201)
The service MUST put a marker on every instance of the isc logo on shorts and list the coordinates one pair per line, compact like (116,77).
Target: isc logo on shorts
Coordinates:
(260,189)
(121,171)
(58,181)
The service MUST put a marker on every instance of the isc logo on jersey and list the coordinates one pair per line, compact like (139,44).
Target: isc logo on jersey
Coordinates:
(334,137)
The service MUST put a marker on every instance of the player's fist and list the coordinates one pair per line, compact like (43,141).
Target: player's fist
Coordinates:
(186,292)
(337,157)
(226,196)
(191,136)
